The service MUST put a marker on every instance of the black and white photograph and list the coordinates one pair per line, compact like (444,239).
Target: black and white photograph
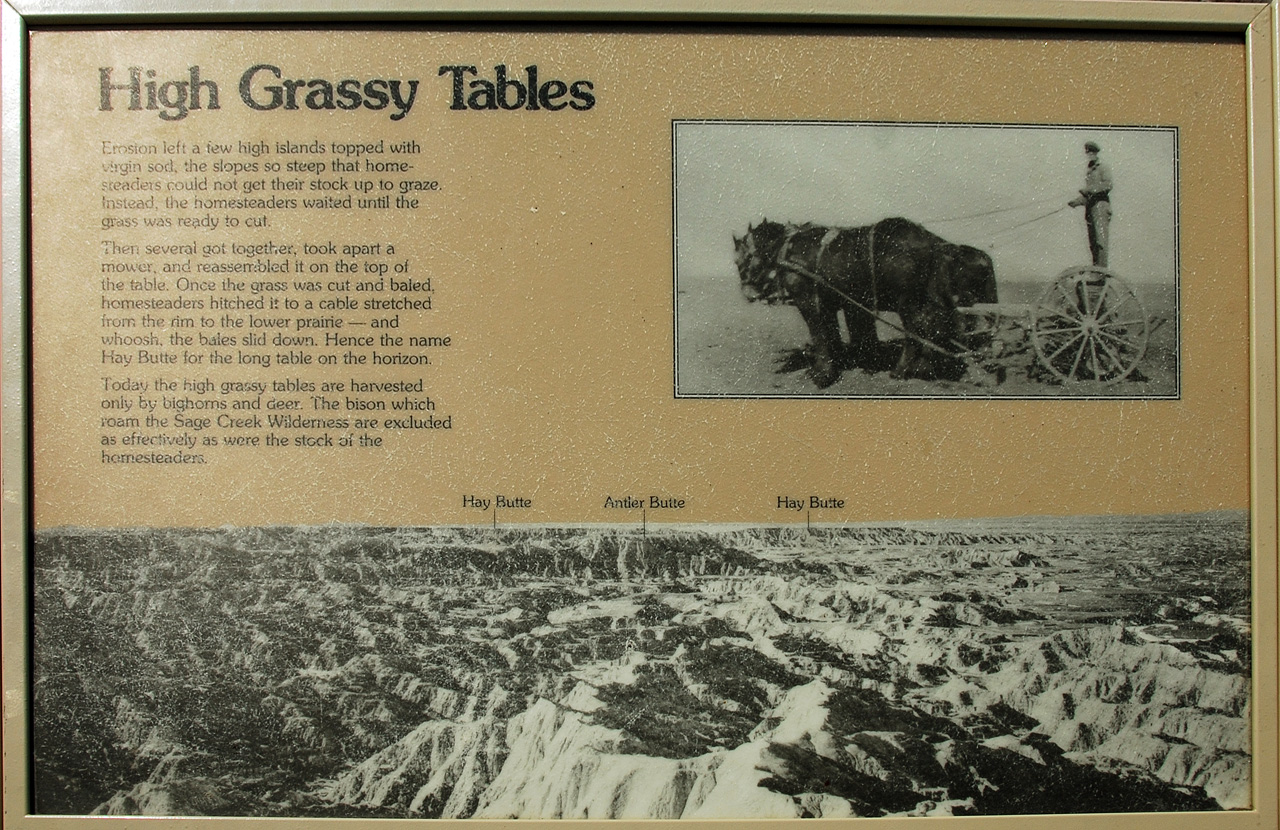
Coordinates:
(885,260)
(945,668)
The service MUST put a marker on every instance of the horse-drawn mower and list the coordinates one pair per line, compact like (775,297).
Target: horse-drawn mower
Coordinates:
(1087,325)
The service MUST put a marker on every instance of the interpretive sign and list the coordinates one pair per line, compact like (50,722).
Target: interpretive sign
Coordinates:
(458,420)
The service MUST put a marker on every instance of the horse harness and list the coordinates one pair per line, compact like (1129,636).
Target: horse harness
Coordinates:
(874,310)
(830,236)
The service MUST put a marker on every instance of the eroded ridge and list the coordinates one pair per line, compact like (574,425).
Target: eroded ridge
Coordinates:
(1017,666)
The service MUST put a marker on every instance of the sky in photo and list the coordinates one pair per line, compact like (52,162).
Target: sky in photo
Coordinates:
(1000,188)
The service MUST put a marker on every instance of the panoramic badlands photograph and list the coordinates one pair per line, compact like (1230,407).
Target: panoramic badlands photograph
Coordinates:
(954,668)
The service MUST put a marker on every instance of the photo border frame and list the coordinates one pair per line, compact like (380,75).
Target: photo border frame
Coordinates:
(1258,24)
(965,391)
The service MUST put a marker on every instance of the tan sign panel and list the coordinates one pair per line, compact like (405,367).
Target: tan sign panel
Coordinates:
(641,422)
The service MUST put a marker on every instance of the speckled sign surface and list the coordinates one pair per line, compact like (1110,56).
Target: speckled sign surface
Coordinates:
(627,423)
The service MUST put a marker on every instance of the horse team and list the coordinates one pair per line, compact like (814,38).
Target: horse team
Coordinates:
(894,265)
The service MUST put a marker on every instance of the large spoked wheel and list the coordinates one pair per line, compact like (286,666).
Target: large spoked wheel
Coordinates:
(1089,325)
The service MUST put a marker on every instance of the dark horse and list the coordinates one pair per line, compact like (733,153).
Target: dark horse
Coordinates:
(894,265)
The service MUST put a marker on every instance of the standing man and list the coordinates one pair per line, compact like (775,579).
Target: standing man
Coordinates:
(1095,198)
